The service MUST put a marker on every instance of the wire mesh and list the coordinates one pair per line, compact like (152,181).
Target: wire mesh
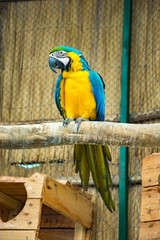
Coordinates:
(29,30)
(144,93)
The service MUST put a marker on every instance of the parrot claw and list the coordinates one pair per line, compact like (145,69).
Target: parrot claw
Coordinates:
(78,121)
(67,121)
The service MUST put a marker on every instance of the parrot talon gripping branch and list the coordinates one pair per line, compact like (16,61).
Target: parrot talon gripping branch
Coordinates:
(67,121)
(79,95)
(78,121)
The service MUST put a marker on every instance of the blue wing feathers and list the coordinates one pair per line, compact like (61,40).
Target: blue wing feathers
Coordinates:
(57,94)
(98,92)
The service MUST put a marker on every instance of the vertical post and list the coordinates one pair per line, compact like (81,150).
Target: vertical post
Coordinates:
(79,232)
(123,182)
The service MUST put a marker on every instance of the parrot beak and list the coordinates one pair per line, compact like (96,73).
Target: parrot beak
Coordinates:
(54,63)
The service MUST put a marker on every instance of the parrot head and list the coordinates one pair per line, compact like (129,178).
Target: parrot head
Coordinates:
(59,57)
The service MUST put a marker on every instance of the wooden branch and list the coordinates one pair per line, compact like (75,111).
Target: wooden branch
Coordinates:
(135,179)
(145,116)
(51,134)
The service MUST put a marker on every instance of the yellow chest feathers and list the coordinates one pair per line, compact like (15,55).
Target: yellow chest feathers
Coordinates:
(76,96)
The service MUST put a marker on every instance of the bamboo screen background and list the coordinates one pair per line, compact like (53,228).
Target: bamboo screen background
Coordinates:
(29,30)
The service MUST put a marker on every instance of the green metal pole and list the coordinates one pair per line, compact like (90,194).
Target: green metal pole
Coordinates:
(123,180)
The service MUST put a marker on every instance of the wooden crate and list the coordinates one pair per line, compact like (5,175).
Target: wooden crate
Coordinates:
(40,207)
(150,201)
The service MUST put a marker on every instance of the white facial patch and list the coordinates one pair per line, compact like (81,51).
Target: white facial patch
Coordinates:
(65,61)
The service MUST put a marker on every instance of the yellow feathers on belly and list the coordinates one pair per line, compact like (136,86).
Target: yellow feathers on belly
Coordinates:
(77,98)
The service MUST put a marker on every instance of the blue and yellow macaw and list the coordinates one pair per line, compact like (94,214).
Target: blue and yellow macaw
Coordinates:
(79,95)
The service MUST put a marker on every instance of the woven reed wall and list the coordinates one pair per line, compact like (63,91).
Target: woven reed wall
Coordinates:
(29,30)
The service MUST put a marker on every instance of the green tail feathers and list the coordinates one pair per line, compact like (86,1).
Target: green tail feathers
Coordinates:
(94,159)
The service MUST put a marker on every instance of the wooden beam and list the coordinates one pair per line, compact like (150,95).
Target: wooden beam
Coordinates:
(90,132)
(65,200)
(135,179)
(18,235)
(9,202)
(145,116)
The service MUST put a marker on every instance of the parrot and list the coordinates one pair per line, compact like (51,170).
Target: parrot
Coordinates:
(80,96)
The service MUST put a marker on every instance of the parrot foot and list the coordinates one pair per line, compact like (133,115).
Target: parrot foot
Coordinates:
(78,121)
(67,121)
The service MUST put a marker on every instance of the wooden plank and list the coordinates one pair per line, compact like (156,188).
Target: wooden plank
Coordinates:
(150,204)
(10,179)
(77,189)
(34,185)
(68,202)
(18,235)
(9,202)
(150,230)
(79,232)
(21,198)
(151,170)
(58,234)
(28,218)
(51,134)
(53,219)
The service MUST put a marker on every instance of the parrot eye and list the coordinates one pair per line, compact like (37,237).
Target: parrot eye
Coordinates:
(60,54)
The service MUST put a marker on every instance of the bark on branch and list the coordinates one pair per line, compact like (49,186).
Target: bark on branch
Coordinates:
(51,134)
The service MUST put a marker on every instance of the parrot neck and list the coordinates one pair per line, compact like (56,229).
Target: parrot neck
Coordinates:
(75,64)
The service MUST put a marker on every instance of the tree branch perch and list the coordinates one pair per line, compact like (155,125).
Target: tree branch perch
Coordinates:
(52,134)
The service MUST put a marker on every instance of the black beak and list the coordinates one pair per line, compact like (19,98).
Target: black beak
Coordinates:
(55,63)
